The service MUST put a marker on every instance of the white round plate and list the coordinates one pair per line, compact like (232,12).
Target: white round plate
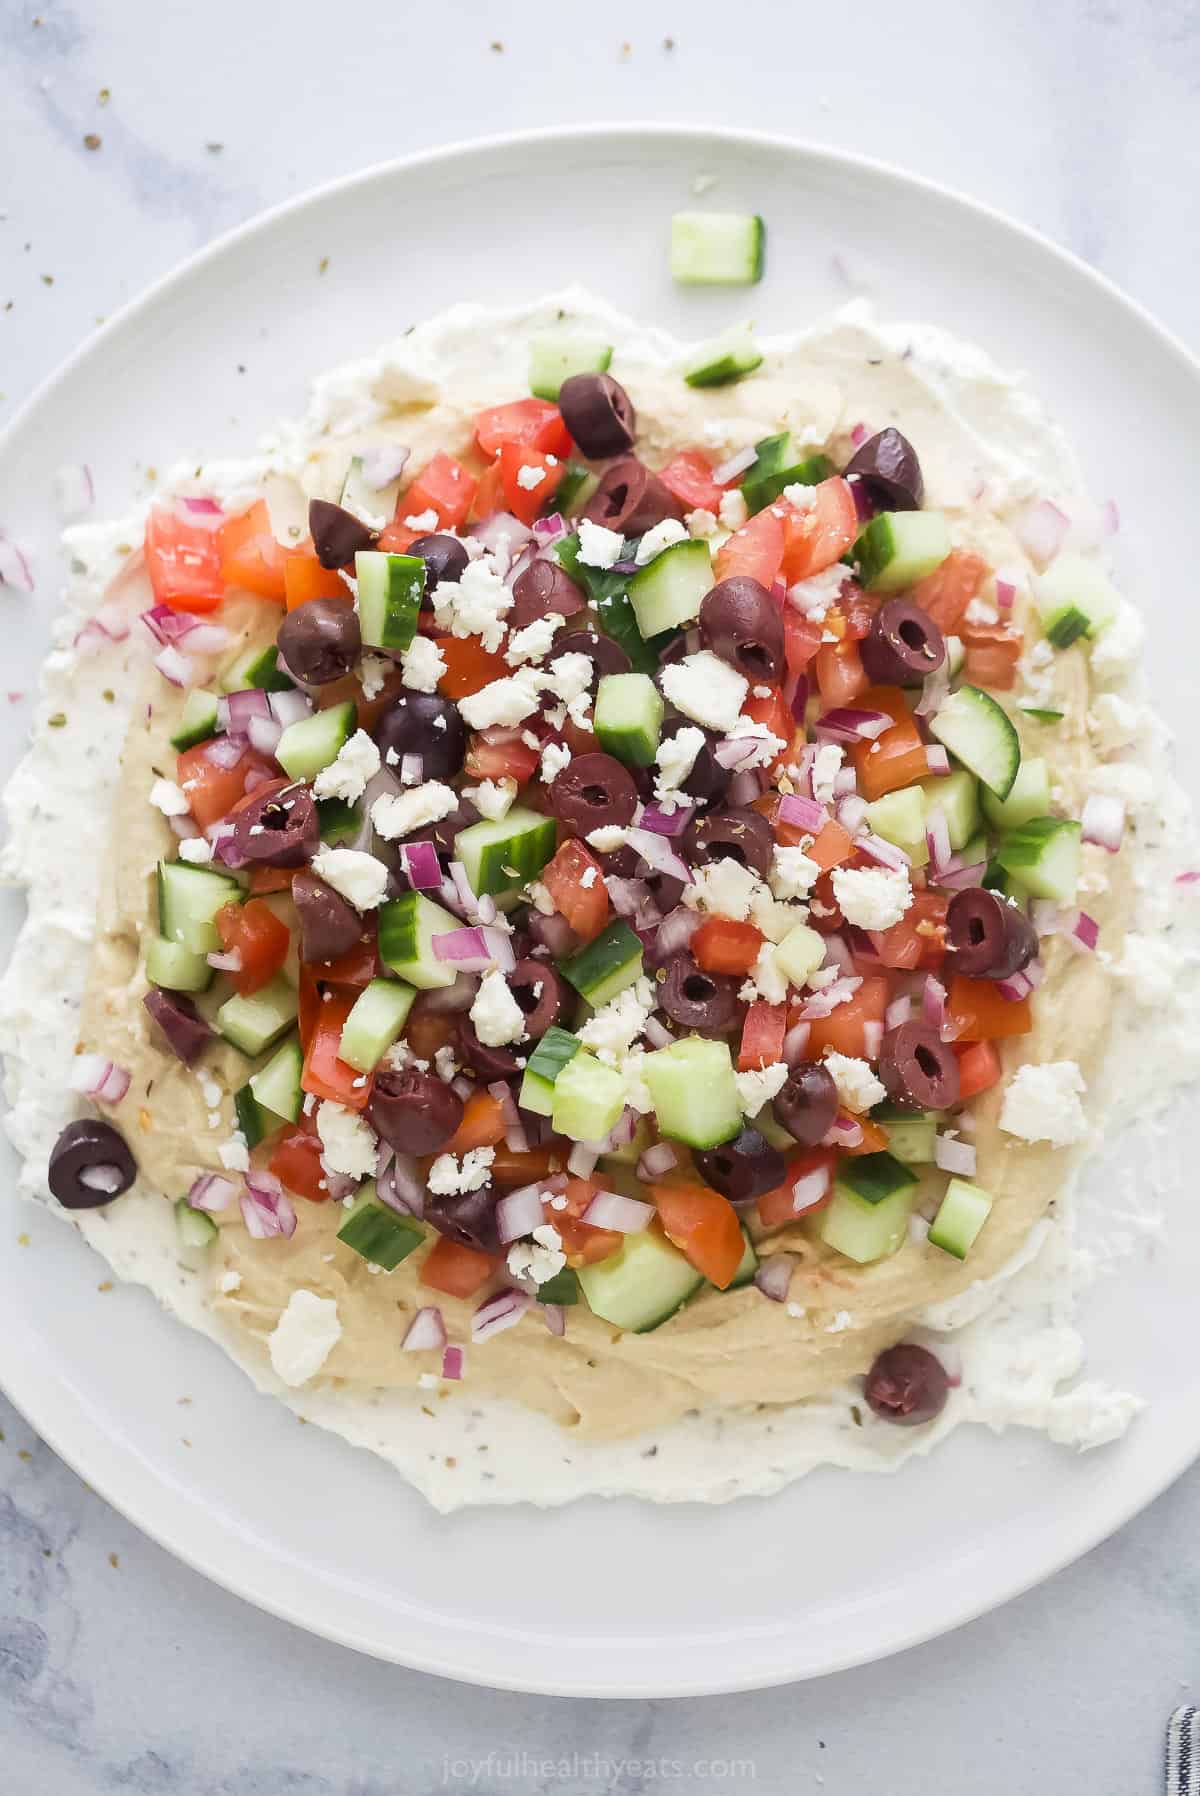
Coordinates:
(598,1599)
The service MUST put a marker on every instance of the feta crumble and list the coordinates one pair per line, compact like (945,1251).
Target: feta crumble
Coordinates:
(196,849)
(346,776)
(857,1087)
(169,798)
(676,756)
(793,874)
(304,1336)
(599,547)
(613,1029)
(398,814)
(706,689)
(449,1177)
(422,664)
(540,1259)
(475,604)
(555,756)
(759,1086)
(497,1016)
(533,642)
(358,878)
(701,523)
(493,799)
(734,511)
(827,764)
(872,897)
(1042,1103)
(662,536)
(725,887)
(348,1141)
(507,701)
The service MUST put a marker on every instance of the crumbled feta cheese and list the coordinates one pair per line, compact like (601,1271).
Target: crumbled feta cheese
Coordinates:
(1117,647)
(701,523)
(637,1092)
(398,814)
(474,605)
(346,776)
(767,979)
(373,671)
(497,1016)
(1042,1103)
(570,677)
(827,764)
(857,1087)
(615,1026)
(598,547)
(608,838)
(533,642)
(842,1320)
(540,898)
(802,497)
(1123,779)
(229,1282)
(774,917)
(538,1260)
(505,701)
(304,1336)
(422,664)
(759,1086)
(423,520)
(793,874)
(872,897)
(980,612)
(706,689)
(348,1141)
(725,887)
(445,1063)
(767,746)
(1113,722)
(234,1154)
(358,878)
(530,478)
(555,756)
(734,510)
(492,798)
(662,537)
(587,878)
(196,849)
(168,798)
(676,756)
(449,1177)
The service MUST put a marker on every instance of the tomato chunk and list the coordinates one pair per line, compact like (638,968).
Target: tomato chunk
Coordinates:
(993,651)
(325,1074)
(832,844)
(841,677)
(978,1067)
(520,464)
(510,1169)
(755,550)
(251,559)
(469,667)
(762,1035)
(818,535)
(946,593)
(723,946)
(296,1162)
(535,422)
(483,1124)
(508,758)
(575,881)
(689,477)
(457,1270)
(846,1029)
(983,1013)
(213,791)
(442,486)
(704,1226)
(304,578)
(582,1244)
(919,938)
(778,1206)
(258,937)
(801,640)
(183,558)
(898,757)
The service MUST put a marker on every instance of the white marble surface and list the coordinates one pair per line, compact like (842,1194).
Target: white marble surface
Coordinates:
(119,1669)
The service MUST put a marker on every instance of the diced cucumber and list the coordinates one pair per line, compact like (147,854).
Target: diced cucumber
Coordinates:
(374,505)
(772,1130)
(961,1215)
(1043,856)
(1074,598)
(557,354)
(253,1023)
(800,953)
(255,1122)
(1040,714)
(188,901)
(376,1021)
(536,1094)
(727,359)
(562,1288)
(314,742)
(747,1266)
(608,595)
(667,592)
(176,968)
(978,732)
(606,965)
(899,817)
(339,820)
(898,548)
(628,717)
(376,1232)
(197,720)
(407,927)
(956,656)
(722,249)
(778,463)
(975,852)
(1029,796)
(276,1086)
(390,590)
(862,1230)
(874,1177)
(556,1047)
(503,854)
(692,1087)
(257,667)
(642,1285)
(589,1098)
(958,795)
(196,1227)
(910,1138)
(575,489)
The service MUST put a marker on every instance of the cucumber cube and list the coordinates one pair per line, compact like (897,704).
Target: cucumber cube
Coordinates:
(978,732)
(312,743)
(865,1231)
(257,667)
(1043,856)
(717,248)
(546,1062)
(375,1022)
(899,817)
(253,1023)
(778,463)
(958,795)
(606,966)
(589,1098)
(668,591)
(874,1177)
(562,1288)
(197,720)
(176,968)
(555,355)
(390,590)
(1028,797)
(898,548)
(628,717)
(575,489)
(692,1086)
(717,364)
(379,1234)
(253,1120)
(800,953)
(407,927)
(502,855)
(196,1228)
(276,1086)
(536,1094)
(961,1215)
(911,1138)
(642,1285)
(1074,598)
(339,820)
(188,901)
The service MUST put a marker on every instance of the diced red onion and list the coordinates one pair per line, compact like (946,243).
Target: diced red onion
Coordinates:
(201,506)
(1040,530)
(288,708)
(258,776)
(1188,878)
(501,531)
(210,1192)
(1015,987)
(453,1362)
(812,1188)
(898,1011)
(667,823)
(467,948)
(847,724)
(266,1207)
(462,886)
(624,1215)
(225,751)
(554,933)
(937,760)
(736,464)
(859,433)
(226,961)
(845,782)
(656,852)
(955,877)
(548,530)
(383,464)
(516,1140)
(799,699)
(502,1093)
(497,1313)
(1103,819)
(954,1156)
(462,1086)
(622,1131)
(774,1276)
(826,1001)
(14,567)
(173,666)
(886,854)
(500,948)
(937,838)
(851,812)
(872,1039)
(412,770)
(676,931)
(237,709)
(398,1184)
(838,953)
(1084,932)
(933,1003)
(795,1042)
(657,1160)
(99,1078)
(934,691)
(802,813)
(918,1228)
(582,1158)
(733,750)
(626,895)
(421,867)
(264,734)
(657,1033)
(1006,592)
(555,1317)
(426,1332)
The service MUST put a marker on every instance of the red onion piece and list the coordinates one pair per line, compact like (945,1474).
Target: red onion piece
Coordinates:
(500,531)
(14,566)
(582,1158)
(657,854)
(1040,529)
(955,877)
(898,1012)
(1103,820)
(937,760)
(399,1184)
(288,708)
(937,838)
(1084,932)
(1006,592)
(412,770)
(838,954)
(667,823)
(555,1317)
(954,1156)
(802,813)
(1015,987)
(847,724)
(826,1001)
(548,530)
(656,1161)
(426,1332)
(627,896)
(467,948)
(497,1313)
(872,1039)
(554,933)
(200,506)
(934,692)
(774,1276)
(845,1132)
(211,1193)
(933,1003)
(625,1215)
(736,464)
(810,1190)
(885,853)
(657,1033)
(227,961)
(99,1078)
(795,1042)
(453,1362)
(851,812)
(264,734)
(420,865)
(173,666)
(462,1086)
(502,1093)
(622,1131)
(799,698)
(266,1207)
(225,751)
(744,787)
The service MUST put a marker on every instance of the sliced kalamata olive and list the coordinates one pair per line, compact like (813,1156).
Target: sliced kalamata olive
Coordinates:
(542,993)
(185,1029)
(329,925)
(631,499)
(919,1069)
(907,1384)
(415,1112)
(320,640)
(888,467)
(708,780)
(337,534)
(605,655)
(90,1165)
(807,1104)
(593,791)
(423,723)
(280,829)
(490,1063)
(743,1168)
(542,588)
(441,833)
(445,558)
(697,999)
(902,645)
(469,1219)
(737,835)
(740,622)
(599,414)
(987,937)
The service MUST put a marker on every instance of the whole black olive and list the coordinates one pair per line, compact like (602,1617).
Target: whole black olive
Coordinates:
(542,993)
(336,533)
(708,780)
(280,829)
(423,723)
(90,1165)
(737,835)
(599,414)
(902,645)
(329,925)
(697,999)
(807,1104)
(919,1069)
(987,937)
(605,655)
(543,587)
(740,622)
(185,1030)
(593,791)
(445,558)
(631,499)
(320,640)
(743,1168)
(490,1063)
(469,1219)
(907,1384)
(415,1112)
(888,467)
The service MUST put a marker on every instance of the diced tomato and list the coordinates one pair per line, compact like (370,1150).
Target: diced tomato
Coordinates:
(855,611)
(775,712)
(511,759)
(778,1206)
(978,1067)
(898,757)
(354,969)
(575,881)
(482,1125)
(762,1035)
(264,880)
(841,677)
(397,538)
(489,492)
(309,994)
(296,1161)
(582,1244)
(325,1074)
(304,578)
(251,558)
(801,640)
(874,1139)
(428,1030)
(511,1169)
(983,1013)
(831,846)
(457,1270)
(469,667)
(212,791)
(755,550)
(526,502)
(535,422)
(704,1226)
(843,1031)
(946,593)
(443,486)
(183,558)
(689,477)
(723,946)
(993,651)
(919,938)
(258,937)
(818,535)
